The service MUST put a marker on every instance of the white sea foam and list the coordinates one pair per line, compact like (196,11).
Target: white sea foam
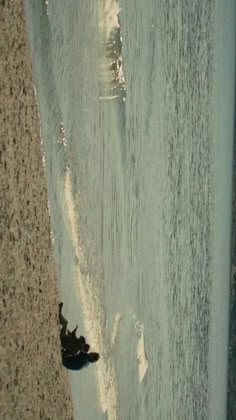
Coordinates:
(109,98)
(108,16)
(111,37)
(115,329)
(140,351)
(94,321)
(46,7)
(62,139)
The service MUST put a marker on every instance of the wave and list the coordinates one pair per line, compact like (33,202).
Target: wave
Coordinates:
(140,350)
(140,353)
(110,29)
(93,314)
(115,330)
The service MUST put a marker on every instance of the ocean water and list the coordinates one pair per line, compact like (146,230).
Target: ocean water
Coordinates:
(136,103)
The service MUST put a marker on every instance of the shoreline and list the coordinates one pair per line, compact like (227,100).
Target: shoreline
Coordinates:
(33,381)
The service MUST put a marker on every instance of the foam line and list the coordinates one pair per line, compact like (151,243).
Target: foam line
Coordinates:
(93,315)
(115,330)
(141,355)
(110,30)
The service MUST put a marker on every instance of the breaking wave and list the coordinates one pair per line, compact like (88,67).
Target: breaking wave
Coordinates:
(110,29)
(93,314)
(140,353)
(115,330)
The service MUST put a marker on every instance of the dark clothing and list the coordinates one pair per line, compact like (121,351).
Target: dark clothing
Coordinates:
(74,351)
(76,362)
(71,345)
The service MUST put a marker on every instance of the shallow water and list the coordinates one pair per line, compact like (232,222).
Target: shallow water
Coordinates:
(137,127)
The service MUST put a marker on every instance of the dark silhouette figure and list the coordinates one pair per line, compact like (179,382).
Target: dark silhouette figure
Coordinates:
(70,344)
(74,350)
(79,361)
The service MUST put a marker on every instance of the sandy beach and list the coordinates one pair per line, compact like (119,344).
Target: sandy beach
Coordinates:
(33,382)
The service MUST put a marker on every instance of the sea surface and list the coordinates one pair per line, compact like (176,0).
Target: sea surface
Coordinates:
(136,103)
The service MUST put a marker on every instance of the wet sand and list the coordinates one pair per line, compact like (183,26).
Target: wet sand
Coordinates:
(33,382)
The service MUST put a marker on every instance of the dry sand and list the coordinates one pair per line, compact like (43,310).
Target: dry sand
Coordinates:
(33,383)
